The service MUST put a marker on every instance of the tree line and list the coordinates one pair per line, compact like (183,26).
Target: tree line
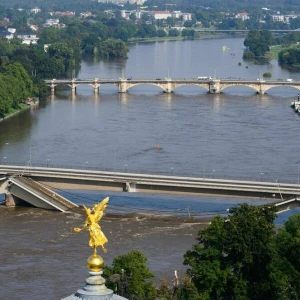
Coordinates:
(258,44)
(241,256)
(15,86)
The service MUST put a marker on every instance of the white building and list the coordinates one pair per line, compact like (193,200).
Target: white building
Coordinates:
(176,14)
(27,38)
(126,13)
(278,18)
(186,17)
(160,15)
(243,16)
(51,22)
(35,10)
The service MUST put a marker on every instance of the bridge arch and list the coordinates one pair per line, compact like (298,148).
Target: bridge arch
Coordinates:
(269,87)
(205,86)
(162,86)
(253,87)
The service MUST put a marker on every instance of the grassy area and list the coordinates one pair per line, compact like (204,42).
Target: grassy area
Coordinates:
(274,50)
(13,111)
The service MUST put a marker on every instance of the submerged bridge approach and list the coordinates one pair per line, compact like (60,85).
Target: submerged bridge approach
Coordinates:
(168,85)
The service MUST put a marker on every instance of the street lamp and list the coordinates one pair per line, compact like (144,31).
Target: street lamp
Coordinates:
(86,164)
(279,189)
(298,173)
(115,160)
(126,168)
(214,174)
(261,176)
(30,156)
(47,162)
(172,169)
(203,168)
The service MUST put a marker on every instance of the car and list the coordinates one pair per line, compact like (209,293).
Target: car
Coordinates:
(158,79)
(290,80)
(129,78)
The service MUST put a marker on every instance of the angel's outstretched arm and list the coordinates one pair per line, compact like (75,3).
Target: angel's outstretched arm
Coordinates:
(77,229)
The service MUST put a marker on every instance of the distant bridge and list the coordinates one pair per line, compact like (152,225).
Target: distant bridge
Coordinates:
(168,85)
(245,30)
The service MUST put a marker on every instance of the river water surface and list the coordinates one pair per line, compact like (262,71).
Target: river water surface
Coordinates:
(237,134)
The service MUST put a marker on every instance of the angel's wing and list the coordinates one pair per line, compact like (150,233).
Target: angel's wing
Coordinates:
(98,209)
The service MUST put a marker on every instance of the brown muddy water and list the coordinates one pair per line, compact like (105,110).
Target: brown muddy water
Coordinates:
(42,258)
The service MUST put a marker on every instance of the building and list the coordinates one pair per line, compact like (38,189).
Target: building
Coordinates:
(176,14)
(186,17)
(126,13)
(161,15)
(27,37)
(51,22)
(278,18)
(63,13)
(243,16)
(35,10)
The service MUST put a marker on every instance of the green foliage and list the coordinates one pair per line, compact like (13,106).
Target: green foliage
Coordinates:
(134,263)
(233,258)
(15,86)
(267,75)
(112,48)
(289,56)
(187,290)
(174,32)
(258,42)
(287,242)
(248,55)
(188,33)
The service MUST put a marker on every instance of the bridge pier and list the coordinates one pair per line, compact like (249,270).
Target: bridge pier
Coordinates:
(214,86)
(96,87)
(73,87)
(262,89)
(130,187)
(122,85)
(169,86)
(52,86)
(11,200)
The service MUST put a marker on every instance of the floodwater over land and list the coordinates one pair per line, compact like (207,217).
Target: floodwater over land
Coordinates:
(237,134)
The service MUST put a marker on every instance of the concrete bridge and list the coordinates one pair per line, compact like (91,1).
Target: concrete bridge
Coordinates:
(33,186)
(22,190)
(131,182)
(168,85)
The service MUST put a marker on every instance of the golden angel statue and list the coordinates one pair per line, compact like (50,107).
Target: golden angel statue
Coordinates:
(94,215)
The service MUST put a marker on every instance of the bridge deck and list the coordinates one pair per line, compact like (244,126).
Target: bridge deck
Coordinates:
(37,194)
(130,182)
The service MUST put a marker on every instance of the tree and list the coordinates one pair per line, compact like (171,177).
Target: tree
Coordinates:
(134,265)
(288,244)
(113,48)
(24,81)
(174,32)
(233,258)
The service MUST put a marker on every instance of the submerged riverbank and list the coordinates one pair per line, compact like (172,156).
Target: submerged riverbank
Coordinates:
(33,102)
